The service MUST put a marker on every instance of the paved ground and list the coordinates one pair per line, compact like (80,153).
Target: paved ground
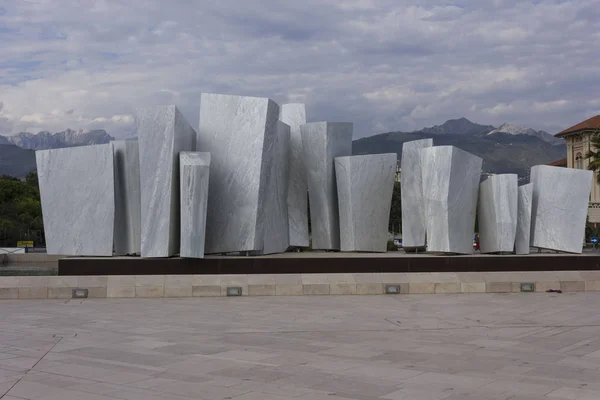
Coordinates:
(454,347)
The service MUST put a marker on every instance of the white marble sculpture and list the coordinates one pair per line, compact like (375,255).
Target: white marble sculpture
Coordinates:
(497,213)
(523,219)
(239,133)
(77,190)
(163,132)
(194,170)
(559,207)
(294,115)
(411,193)
(276,237)
(450,185)
(322,142)
(364,185)
(128,208)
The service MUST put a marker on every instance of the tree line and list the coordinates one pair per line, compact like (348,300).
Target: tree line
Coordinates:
(20,211)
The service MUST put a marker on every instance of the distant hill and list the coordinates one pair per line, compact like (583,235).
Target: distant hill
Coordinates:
(69,138)
(501,152)
(460,126)
(15,161)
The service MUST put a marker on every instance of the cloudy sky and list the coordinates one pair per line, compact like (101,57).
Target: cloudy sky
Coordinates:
(383,64)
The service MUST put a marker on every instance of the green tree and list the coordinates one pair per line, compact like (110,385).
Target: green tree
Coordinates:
(395,224)
(20,211)
(593,154)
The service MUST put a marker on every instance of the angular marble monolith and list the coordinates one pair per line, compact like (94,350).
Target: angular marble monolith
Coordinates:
(523,219)
(276,230)
(450,185)
(128,207)
(77,191)
(411,193)
(559,207)
(497,213)
(294,115)
(364,185)
(322,142)
(239,133)
(163,132)
(194,170)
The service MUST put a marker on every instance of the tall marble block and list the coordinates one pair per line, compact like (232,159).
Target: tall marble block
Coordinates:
(276,238)
(239,133)
(559,207)
(497,213)
(450,185)
(411,189)
(128,208)
(364,186)
(77,190)
(322,142)
(294,115)
(163,132)
(194,170)
(523,219)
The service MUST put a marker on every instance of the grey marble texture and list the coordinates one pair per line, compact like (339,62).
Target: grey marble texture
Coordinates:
(559,207)
(128,207)
(194,175)
(450,186)
(163,132)
(77,190)
(411,186)
(322,142)
(239,133)
(497,213)
(523,219)
(294,115)
(364,185)
(276,230)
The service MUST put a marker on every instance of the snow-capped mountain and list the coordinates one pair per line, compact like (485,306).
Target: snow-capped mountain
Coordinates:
(511,129)
(46,140)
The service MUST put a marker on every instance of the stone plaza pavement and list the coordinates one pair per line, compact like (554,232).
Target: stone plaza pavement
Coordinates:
(419,347)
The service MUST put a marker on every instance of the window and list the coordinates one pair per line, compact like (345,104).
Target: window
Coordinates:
(578,161)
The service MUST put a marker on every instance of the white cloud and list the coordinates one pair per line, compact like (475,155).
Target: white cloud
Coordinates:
(383,64)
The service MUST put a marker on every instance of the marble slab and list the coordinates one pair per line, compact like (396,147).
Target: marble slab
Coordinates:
(163,133)
(450,186)
(194,174)
(523,219)
(77,191)
(276,231)
(239,133)
(128,207)
(559,207)
(322,142)
(411,193)
(364,185)
(294,115)
(497,213)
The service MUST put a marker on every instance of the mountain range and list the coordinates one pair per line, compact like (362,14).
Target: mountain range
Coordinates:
(504,149)
(46,140)
(17,152)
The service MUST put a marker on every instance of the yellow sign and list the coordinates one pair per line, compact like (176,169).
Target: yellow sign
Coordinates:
(25,243)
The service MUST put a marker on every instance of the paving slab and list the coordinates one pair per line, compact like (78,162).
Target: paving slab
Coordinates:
(448,346)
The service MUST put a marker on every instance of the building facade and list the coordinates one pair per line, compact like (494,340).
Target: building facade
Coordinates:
(578,143)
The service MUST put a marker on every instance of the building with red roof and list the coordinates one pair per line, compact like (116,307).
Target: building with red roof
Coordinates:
(578,143)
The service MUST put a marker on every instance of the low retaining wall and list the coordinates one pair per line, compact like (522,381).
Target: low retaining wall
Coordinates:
(33,258)
(145,286)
